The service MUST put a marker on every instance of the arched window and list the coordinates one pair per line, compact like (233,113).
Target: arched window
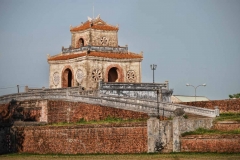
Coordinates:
(113,75)
(81,42)
(67,78)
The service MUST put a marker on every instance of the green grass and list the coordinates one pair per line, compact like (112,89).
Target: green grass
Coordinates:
(202,131)
(229,117)
(107,120)
(185,116)
(142,156)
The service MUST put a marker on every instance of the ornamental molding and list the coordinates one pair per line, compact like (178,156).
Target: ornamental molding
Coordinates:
(131,76)
(79,76)
(96,75)
(56,78)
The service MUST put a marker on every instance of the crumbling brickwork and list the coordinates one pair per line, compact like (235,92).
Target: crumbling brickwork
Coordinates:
(64,111)
(226,126)
(211,143)
(231,105)
(114,138)
(33,110)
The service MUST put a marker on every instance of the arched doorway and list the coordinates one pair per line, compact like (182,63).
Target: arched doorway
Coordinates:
(113,75)
(67,78)
(81,42)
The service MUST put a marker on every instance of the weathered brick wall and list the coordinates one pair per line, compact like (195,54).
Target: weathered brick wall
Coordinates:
(64,111)
(210,143)
(32,110)
(5,139)
(114,138)
(230,105)
(4,112)
(225,126)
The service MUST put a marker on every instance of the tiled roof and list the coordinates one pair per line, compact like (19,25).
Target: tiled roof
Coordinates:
(66,57)
(97,54)
(97,24)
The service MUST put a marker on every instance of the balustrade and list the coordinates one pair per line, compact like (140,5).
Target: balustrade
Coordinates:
(93,97)
(96,48)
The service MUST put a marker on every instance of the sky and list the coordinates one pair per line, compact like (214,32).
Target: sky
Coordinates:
(193,42)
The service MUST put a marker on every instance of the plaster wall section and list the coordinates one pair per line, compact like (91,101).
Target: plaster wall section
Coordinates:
(94,69)
(95,38)
(85,35)
(168,133)
(44,110)
(58,67)
(181,125)
(125,65)
(153,126)
(111,38)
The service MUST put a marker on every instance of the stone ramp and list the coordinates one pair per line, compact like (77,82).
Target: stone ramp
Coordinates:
(126,103)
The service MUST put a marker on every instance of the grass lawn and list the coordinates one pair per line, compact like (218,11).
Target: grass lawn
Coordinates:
(229,117)
(107,120)
(171,156)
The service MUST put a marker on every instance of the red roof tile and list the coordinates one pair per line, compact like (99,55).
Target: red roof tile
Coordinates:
(97,24)
(97,54)
(66,57)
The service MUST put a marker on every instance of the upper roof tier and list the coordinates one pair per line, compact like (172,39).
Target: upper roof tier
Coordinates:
(96,23)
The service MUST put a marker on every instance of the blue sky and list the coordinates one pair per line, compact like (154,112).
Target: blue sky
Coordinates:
(192,42)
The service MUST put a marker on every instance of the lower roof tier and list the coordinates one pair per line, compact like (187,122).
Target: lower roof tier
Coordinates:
(128,55)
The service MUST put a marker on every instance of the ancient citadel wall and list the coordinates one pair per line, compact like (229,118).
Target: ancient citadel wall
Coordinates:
(64,111)
(211,143)
(231,105)
(116,138)
(85,139)
(54,111)
(169,132)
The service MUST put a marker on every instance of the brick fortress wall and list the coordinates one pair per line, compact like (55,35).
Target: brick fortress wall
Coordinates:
(34,110)
(114,138)
(231,105)
(64,111)
(53,111)
(211,143)
(83,139)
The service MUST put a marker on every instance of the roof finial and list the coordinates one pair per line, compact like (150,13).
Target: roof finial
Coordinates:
(89,19)
(98,16)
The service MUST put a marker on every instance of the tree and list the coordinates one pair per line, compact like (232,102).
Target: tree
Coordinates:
(234,95)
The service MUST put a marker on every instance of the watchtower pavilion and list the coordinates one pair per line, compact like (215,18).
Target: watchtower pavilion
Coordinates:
(94,54)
